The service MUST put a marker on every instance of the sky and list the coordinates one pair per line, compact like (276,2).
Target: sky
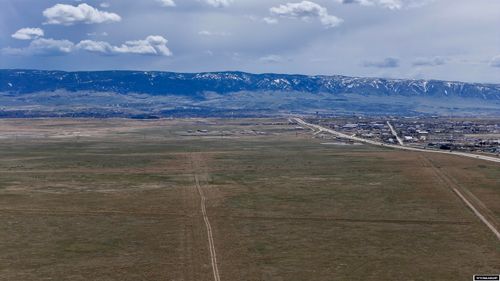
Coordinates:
(456,40)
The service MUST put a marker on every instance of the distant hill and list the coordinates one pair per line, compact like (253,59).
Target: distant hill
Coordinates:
(33,93)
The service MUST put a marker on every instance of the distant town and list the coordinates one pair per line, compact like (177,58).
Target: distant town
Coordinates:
(453,134)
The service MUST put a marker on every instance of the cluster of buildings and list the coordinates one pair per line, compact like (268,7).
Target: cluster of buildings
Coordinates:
(471,135)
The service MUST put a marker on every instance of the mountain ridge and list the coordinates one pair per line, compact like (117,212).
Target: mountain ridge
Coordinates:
(242,72)
(158,82)
(127,93)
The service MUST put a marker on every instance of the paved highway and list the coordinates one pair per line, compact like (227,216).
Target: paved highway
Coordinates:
(345,136)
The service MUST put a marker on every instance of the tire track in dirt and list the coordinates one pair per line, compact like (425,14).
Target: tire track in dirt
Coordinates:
(347,220)
(49,212)
(471,201)
(203,199)
(191,236)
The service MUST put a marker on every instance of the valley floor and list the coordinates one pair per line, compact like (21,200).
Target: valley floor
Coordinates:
(130,200)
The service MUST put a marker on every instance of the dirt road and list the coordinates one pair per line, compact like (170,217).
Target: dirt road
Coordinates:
(211,246)
(471,201)
(394,133)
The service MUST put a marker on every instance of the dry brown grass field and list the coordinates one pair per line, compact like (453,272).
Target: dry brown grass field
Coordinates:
(117,200)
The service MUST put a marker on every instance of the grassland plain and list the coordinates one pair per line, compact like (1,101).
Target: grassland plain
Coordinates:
(116,200)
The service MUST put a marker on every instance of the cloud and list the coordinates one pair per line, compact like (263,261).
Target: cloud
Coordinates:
(433,61)
(495,61)
(93,34)
(167,3)
(271,59)
(389,4)
(218,3)
(205,32)
(270,20)
(105,5)
(385,63)
(213,33)
(152,45)
(28,33)
(305,10)
(96,46)
(43,47)
(83,13)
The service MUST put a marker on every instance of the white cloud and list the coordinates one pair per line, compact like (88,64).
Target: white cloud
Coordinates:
(105,5)
(43,47)
(384,63)
(252,17)
(218,3)
(389,4)
(83,13)
(271,59)
(432,61)
(152,45)
(214,33)
(93,34)
(205,32)
(495,61)
(28,33)
(95,46)
(51,46)
(270,20)
(167,3)
(306,10)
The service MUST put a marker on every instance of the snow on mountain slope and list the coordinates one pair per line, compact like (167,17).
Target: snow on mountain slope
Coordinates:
(35,93)
(163,83)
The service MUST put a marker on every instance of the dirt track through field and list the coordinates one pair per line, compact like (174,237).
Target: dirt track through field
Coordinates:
(473,203)
(211,246)
(477,206)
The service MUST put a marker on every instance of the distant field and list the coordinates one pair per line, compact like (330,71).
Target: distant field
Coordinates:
(117,200)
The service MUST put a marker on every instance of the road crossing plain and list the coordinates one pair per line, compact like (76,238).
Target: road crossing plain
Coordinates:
(117,199)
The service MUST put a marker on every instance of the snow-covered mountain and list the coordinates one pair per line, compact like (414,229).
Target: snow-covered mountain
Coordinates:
(168,83)
(160,92)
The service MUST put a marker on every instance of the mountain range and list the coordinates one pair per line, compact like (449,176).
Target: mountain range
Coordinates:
(38,93)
